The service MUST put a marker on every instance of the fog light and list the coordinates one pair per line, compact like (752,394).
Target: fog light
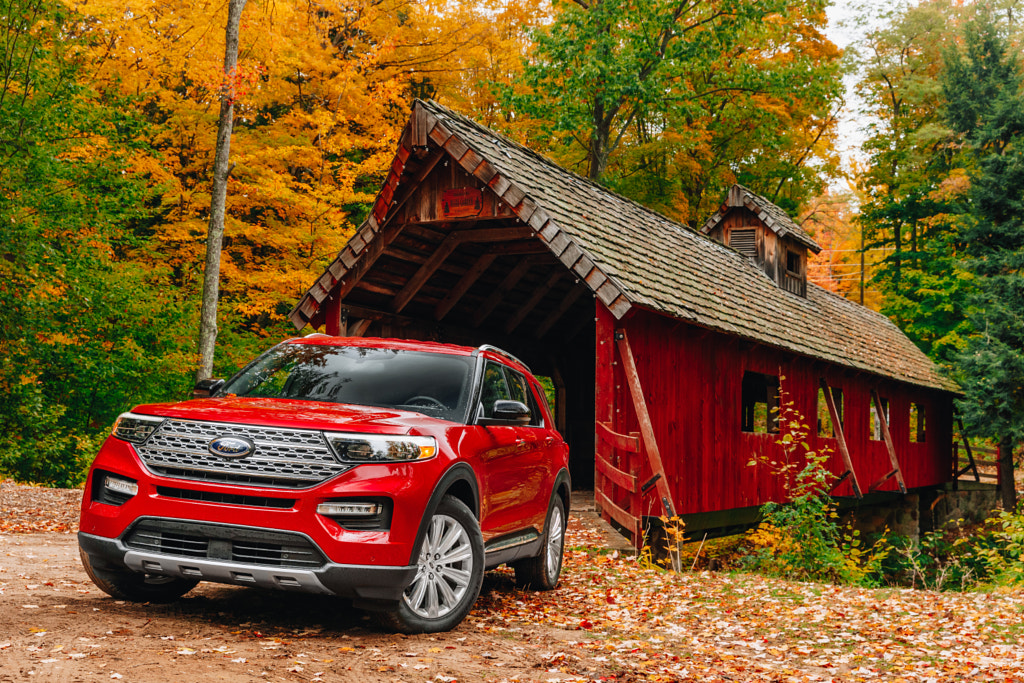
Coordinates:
(341,509)
(122,486)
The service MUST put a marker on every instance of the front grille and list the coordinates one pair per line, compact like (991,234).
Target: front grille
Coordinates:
(226,498)
(244,545)
(282,458)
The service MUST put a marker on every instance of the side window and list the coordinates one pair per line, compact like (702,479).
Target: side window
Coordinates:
(825,426)
(760,400)
(875,423)
(520,389)
(917,426)
(495,388)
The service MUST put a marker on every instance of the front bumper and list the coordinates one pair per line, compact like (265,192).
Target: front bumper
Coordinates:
(367,585)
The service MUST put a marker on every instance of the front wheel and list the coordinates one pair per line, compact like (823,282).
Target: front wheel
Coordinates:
(135,586)
(449,573)
(542,572)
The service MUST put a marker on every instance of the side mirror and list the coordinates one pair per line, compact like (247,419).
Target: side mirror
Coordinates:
(515,412)
(205,388)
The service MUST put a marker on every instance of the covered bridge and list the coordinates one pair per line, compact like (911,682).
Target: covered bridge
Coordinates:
(667,347)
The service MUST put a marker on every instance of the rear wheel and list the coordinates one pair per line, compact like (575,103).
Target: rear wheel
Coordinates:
(449,572)
(135,586)
(542,572)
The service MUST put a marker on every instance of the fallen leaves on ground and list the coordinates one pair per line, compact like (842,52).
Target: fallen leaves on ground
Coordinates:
(28,509)
(634,622)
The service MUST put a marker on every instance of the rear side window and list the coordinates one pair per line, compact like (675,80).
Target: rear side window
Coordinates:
(521,392)
(502,383)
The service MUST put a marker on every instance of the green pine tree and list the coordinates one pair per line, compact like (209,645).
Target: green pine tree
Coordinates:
(983,87)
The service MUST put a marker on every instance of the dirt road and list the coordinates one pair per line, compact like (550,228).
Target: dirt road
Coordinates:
(56,626)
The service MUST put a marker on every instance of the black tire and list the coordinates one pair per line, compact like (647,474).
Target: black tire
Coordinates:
(542,572)
(450,562)
(136,586)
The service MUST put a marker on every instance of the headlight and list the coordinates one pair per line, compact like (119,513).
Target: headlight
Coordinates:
(135,428)
(377,448)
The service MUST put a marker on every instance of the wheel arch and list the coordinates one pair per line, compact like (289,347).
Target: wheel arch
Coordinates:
(459,481)
(563,488)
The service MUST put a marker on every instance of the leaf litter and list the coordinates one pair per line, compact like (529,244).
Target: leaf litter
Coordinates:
(613,618)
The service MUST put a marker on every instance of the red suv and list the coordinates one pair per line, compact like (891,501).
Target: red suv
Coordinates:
(389,472)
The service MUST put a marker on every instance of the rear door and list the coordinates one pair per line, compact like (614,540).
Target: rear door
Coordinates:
(510,459)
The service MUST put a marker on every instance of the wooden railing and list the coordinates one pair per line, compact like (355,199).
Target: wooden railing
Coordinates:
(975,462)
(618,493)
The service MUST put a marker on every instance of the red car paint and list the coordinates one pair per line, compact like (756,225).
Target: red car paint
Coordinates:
(517,469)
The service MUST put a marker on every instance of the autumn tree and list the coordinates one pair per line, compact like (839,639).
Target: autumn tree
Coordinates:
(913,186)
(87,327)
(671,101)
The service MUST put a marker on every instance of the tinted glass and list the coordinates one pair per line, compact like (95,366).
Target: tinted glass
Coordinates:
(495,388)
(434,384)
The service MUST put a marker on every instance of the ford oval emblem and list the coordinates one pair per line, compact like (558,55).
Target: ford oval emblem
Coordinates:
(231,446)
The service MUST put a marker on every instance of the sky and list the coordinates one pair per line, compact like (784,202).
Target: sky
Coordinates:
(841,30)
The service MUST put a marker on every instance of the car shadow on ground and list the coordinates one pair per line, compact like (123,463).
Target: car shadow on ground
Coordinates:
(274,613)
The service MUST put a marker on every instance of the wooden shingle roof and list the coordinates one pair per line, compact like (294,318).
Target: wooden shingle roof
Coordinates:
(771,215)
(645,259)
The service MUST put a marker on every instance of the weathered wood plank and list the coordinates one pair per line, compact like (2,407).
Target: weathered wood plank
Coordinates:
(513,195)
(384,236)
(644,418)
(837,428)
(621,479)
(893,460)
(630,443)
(506,285)
(620,307)
(628,521)
(538,293)
(360,328)
(459,290)
(499,184)
(428,268)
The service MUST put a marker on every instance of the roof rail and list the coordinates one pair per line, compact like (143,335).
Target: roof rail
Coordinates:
(502,352)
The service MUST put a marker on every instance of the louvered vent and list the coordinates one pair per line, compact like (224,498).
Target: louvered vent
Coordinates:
(743,241)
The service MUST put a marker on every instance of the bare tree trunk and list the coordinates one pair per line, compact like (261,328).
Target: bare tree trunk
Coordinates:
(1007,486)
(215,233)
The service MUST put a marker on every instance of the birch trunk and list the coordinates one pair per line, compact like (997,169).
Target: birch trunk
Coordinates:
(221,169)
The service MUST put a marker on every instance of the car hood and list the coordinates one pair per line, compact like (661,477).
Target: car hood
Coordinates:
(276,412)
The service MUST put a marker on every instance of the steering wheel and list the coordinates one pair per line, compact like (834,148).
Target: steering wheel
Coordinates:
(425,402)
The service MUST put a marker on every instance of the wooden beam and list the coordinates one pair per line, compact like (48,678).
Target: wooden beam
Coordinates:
(386,234)
(628,521)
(621,479)
(644,417)
(333,317)
(880,414)
(630,443)
(510,281)
(837,429)
(520,248)
(481,236)
(567,301)
(463,285)
(531,303)
(971,464)
(359,329)
(443,251)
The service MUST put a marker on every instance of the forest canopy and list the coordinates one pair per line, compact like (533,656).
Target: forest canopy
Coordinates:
(108,120)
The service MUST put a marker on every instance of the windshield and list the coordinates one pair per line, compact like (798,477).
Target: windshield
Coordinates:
(434,384)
